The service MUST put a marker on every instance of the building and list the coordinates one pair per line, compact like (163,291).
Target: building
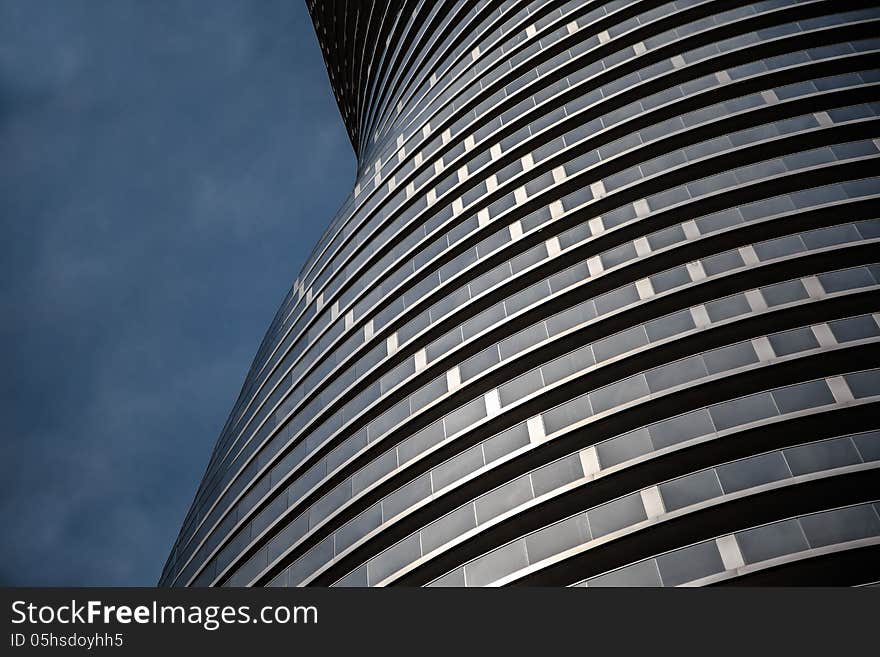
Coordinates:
(601,308)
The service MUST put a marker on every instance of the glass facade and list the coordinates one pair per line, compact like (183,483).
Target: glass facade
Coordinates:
(602,308)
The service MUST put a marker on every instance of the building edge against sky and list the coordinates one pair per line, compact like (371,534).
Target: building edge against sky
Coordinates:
(602,308)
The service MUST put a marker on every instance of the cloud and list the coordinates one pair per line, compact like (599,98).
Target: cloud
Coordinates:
(165,169)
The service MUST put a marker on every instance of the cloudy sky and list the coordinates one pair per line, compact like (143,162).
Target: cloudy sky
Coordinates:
(164,169)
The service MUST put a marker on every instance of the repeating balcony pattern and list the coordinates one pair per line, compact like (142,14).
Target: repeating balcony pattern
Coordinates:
(602,308)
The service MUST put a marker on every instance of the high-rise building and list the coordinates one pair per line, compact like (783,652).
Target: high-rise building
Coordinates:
(602,308)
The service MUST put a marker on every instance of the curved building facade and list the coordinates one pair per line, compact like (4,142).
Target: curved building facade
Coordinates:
(602,308)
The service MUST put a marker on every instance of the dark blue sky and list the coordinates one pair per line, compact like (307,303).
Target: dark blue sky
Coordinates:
(165,168)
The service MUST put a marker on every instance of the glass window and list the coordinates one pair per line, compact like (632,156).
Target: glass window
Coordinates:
(670,325)
(803,395)
(457,467)
(479,363)
(311,561)
(854,328)
(616,515)
(574,235)
(751,472)
(527,297)
(556,474)
(769,541)
(620,343)
(572,362)
(428,393)
(681,428)
(661,163)
(419,443)
(572,317)
(443,344)
(845,279)
(497,564)
(451,525)
(451,579)
(269,514)
(619,216)
(670,279)
(567,414)
(791,342)
(374,471)
(346,450)
(618,255)
(295,530)
(356,578)
(766,208)
(329,503)
(503,499)
(643,573)
(666,237)
(691,489)
(743,410)
(730,357)
(529,258)
(625,447)
(506,442)
(727,307)
(449,303)
(521,386)
(869,229)
(619,393)
(785,292)
(677,373)
(822,455)
(484,320)
(719,220)
(569,277)
(359,527)
(523,340)
(617,299)
(779,247)
(840,525)
(465,416)
(864,384)
(560,536)
(393,559)
(817,239)
(404,497)
(718,264)
(868,445)
(690,563)
(388,420)
(667,198)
